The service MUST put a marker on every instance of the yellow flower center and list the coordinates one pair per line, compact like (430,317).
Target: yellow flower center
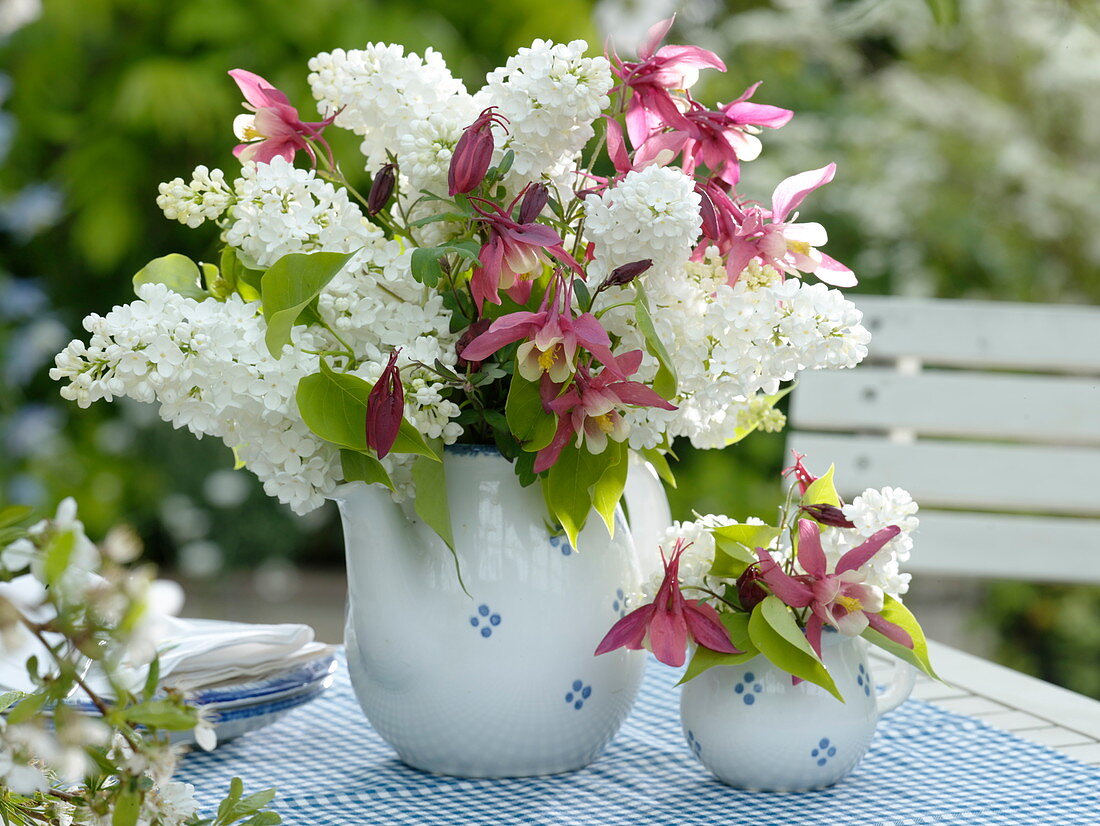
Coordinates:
(604,423)
(849,604)
(547,357)
(801,247)
(249,133)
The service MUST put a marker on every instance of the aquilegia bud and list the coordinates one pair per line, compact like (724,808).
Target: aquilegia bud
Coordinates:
(385,408)
(621,276)
(708,214)
(749,589)
(473,153)
(534,200)
(828,515)
(472,332)
(381,188)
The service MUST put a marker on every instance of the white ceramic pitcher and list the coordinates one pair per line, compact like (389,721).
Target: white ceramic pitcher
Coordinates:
(752,728)
(503,682)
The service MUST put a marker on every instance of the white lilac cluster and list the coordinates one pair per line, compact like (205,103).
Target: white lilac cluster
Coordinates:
(872,511)
(730,344)
(205,198)
(652,213)
(381,92)
(280,209)
(208,367)
(550,93)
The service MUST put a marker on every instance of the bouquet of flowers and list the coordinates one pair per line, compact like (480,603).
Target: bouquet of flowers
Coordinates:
(771,590)
(558,264)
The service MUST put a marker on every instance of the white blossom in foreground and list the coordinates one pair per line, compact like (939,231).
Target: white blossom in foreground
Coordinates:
(205,198)
(281,209)
(550,93)
(382,92)
(871,511)
(729,344)
(208,367)
(652,213)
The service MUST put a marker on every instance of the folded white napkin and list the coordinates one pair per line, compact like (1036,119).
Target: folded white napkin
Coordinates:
(194,653)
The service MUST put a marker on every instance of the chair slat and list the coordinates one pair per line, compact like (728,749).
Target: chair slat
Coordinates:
(1028,408)
(951,332)
(960,475)
(1031,548)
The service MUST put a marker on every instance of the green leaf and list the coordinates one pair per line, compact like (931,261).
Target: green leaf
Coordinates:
(660,464)
(237,276)
(164,714)
(822,491)
(439,216)
(425,265)
(10,698)
(738,627)
(609,489)
(264,819)
(945,12)
(528,420)
(363,467)
(894,611)
(737,544)
(664,383)
(774,632)
(14,514)
(127,808)
(770,402)
(334,406)
(58,554)
(430,483)
(26,708)
(177,272)
(289,285)
(151,680)
(569,484)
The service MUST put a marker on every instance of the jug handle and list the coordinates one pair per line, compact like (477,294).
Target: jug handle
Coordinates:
(901,685)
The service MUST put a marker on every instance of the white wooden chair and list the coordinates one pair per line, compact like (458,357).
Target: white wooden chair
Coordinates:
(989,414)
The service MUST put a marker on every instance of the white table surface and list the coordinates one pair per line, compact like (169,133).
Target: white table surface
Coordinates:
(1028,707)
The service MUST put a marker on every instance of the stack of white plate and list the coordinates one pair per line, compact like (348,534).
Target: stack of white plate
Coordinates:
(238,707)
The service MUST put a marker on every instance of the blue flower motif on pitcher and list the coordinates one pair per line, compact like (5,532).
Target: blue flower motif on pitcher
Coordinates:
(485,620)
(748,688)
(823,752)
(561,542)
(863,680)
(578,695)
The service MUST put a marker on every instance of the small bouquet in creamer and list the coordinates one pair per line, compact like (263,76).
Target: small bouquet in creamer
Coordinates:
(558,264)
(739,590)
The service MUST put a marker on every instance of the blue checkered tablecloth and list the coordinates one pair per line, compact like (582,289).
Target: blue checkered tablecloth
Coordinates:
(925,766)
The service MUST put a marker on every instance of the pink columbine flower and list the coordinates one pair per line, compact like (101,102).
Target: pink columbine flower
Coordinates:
(800,472)
(842,598)
(660,149)
(473,153)
(722,139)
(385,407)
(514,255)
(589,409)
(788,246)
(667,624)
(655,76)
(552,338)
(273,129)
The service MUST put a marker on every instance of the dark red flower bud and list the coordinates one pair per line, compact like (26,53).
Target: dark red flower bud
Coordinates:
(534,200)
(749,590)
(385,408)
(381,188)
(709,215)
(828,515)
(621,276)
(473,153)
(472,332)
